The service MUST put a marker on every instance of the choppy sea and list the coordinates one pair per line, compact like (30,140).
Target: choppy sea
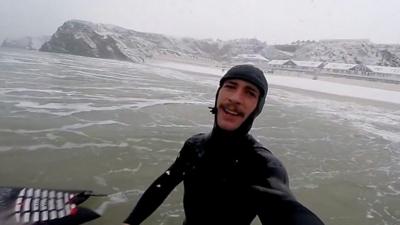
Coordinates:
(73,122)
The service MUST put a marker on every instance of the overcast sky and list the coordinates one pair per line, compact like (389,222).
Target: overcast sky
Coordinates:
(273,21)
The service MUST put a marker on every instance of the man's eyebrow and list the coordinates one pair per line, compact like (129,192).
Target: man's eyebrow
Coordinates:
(252,88)
(231,82)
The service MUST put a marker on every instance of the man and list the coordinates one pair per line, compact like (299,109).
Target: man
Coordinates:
(229,178)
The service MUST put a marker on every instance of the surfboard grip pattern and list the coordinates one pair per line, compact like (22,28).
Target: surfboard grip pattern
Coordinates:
(40,205)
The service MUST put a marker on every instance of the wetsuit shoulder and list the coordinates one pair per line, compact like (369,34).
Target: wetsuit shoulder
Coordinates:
(270,165)
(272,196)
(197,139)
(193,147)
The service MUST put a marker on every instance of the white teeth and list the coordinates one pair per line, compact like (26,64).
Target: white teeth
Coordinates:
(231,112)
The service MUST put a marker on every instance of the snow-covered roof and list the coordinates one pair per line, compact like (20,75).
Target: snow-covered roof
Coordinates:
(277,62)
(251,57)
(307,63)
(385,69)
(339,66)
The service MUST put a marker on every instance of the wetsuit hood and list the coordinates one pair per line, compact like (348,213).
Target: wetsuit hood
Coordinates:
(252,75)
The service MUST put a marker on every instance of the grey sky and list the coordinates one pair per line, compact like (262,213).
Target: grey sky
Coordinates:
(278,21)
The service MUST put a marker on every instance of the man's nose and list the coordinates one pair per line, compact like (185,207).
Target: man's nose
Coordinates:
(236,96)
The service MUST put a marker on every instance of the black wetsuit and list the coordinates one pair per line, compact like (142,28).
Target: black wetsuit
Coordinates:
(228,176)
(227,182)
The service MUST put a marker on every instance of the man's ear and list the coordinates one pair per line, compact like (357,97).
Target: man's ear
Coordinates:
(213,110)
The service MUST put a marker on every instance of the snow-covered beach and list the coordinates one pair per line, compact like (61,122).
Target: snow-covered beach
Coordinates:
(362,89)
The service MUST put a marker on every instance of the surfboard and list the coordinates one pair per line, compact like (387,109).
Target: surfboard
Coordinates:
(38,206)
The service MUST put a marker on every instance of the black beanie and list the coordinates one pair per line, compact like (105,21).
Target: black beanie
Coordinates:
(248,73)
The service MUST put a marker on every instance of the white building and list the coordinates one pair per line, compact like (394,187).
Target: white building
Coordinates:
(339,67)
(281,64)
(308,65)
(392,73)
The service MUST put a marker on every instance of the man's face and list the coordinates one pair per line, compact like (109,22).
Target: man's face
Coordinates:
(237,99)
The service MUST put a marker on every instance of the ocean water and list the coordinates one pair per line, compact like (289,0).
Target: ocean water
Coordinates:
(73,122)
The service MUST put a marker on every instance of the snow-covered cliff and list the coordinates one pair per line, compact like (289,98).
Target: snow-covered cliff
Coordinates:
(109,41)
(28,42)
(348,51)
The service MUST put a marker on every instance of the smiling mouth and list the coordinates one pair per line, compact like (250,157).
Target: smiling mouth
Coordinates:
(231,110)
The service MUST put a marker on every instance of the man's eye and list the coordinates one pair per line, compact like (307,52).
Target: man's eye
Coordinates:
(252,93)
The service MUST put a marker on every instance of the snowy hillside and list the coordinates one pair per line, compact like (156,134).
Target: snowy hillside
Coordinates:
(348,51)
(113,42)
(30,43)
(109,41)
